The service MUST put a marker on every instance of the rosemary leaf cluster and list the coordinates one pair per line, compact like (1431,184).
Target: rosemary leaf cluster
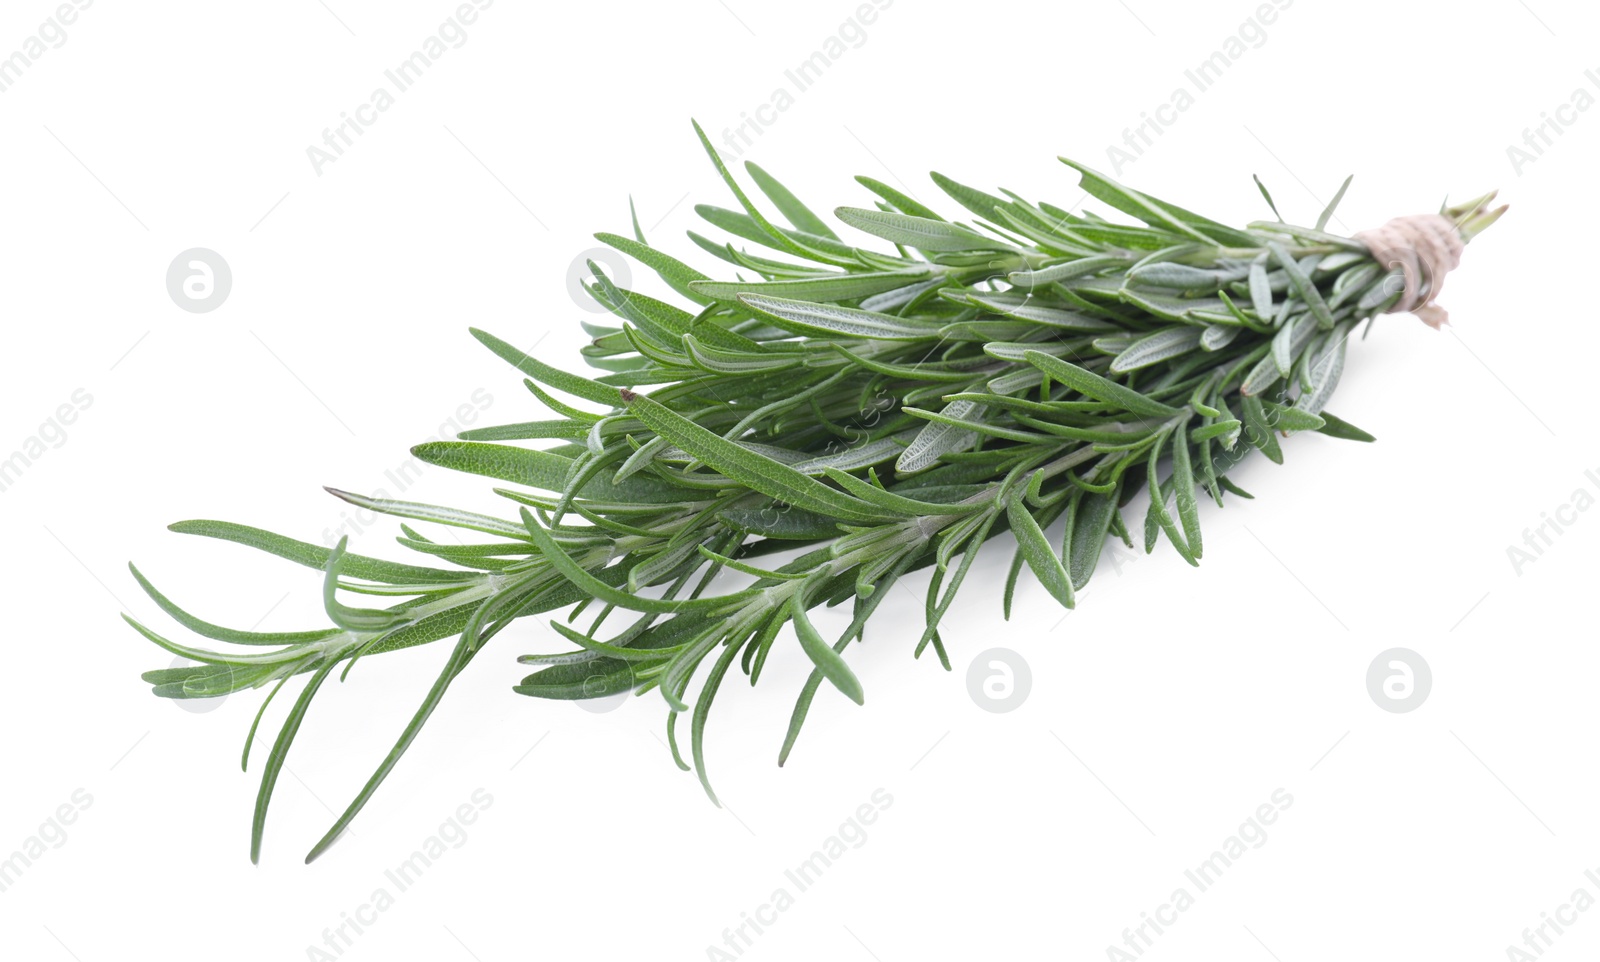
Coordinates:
(813,435)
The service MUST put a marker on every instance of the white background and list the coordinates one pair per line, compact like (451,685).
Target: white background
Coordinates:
(1163,711)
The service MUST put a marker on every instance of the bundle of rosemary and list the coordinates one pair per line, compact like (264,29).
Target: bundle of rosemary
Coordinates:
(851,417)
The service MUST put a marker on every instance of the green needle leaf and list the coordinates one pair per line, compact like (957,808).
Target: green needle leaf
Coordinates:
(315,556)
(781,238)
(835,287)
(799,216)
(1093,385)
(1042,559)
(746,466)
(1327,213)
(1258,430)
(678,275)
(824,320)
(900,201)
(280,753)
(978,202)
(1303,286)
(1089,530)
(544,373)
(1183,487)
(594,587)
(918,232)
(1155,348)
(459,656)
(1339,428)
(206,629)
(1267,195)
(827,661)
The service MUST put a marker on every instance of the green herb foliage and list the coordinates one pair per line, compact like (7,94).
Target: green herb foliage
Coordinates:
(848,416)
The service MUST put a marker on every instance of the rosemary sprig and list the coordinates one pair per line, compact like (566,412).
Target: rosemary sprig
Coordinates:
(816,435)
